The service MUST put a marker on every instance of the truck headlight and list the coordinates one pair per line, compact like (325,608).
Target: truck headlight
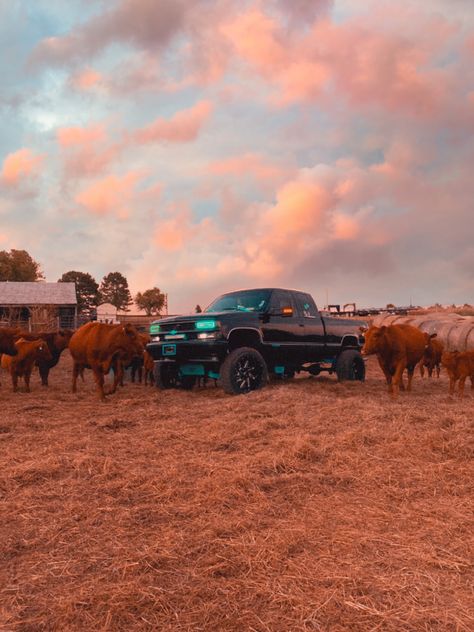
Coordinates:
(207,335)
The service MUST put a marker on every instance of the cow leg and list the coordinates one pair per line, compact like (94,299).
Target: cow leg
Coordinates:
(398,379)
(118,376)
(387,373)
(430,370)
(44,373)
(452,384)
(140,374)
(462,379)
(411,371)
(14,381)
(438,369)
(422,369)
(26,377)
(76,370)
(99,380)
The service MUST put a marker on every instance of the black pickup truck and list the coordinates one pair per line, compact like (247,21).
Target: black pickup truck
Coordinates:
(244,336)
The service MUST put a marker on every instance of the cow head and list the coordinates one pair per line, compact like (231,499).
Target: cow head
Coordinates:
(62,338)
(7,341)
(133,344)
(448,359)
(373,340)
(42,350)
(428,345)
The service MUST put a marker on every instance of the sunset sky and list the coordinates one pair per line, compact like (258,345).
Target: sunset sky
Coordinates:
(207,145)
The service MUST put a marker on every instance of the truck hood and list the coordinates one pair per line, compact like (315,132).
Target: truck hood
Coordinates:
(206,316)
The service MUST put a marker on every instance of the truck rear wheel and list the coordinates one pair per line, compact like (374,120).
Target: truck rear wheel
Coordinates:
(350,366)
(243,370)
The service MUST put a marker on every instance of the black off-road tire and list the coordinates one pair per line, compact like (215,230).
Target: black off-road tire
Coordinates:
(243,370)
(350,366)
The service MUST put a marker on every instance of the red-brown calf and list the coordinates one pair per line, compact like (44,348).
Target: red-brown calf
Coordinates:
(21,365)
(432,357)
(459,366)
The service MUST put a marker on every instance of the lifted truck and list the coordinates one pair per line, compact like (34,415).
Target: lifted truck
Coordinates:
(244,336)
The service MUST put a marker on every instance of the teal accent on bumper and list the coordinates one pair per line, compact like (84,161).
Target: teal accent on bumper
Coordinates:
(192,369)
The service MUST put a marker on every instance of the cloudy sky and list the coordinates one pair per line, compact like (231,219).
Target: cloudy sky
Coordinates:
(208,145)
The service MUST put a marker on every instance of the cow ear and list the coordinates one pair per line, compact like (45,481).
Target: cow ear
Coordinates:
(433,336)
(363,329)
(382,329)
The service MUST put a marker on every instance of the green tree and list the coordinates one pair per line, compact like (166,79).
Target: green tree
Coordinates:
(151,301)
(114,290)
(87,289)
(19,265)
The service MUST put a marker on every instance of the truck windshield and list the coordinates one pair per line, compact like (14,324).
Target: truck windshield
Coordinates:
(245,301)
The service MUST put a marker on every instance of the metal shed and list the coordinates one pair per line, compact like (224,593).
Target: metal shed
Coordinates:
(38,305)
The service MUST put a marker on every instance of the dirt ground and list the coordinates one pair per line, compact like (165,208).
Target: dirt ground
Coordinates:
(307,506)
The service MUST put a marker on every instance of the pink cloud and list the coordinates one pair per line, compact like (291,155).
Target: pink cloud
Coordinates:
(144,24)
(19,166)
(86,79)
(391,68)
(248,164)
(183,127)
(112,195)
(86,151)
(77,136)
(177,231)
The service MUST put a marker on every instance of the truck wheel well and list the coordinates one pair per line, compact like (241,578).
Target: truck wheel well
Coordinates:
(350,341)
(244,338)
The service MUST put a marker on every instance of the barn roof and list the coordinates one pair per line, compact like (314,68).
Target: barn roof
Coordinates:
(37,293)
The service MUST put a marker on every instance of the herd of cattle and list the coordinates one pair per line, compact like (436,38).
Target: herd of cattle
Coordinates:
(104,348)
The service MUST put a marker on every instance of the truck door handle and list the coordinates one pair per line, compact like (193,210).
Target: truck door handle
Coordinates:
(301,324)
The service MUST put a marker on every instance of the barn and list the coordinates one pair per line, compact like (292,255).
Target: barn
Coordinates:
(38,305)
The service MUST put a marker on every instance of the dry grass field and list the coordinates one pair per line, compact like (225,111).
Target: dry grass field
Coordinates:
(307,506)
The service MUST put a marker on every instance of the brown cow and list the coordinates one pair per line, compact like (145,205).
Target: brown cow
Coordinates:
(57,341)
(21,365)
(459,367)
(103,347)
(398,347)
(7,341)
(432,357)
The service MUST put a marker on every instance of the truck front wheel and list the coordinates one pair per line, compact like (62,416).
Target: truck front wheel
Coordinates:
(243,370)
(350,366)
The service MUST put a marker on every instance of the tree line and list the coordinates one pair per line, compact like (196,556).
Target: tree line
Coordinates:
(18,265)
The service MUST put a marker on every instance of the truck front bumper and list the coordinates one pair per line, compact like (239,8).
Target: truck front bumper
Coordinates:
(204,352)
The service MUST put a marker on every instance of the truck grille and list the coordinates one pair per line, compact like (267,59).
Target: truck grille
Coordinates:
(183,327)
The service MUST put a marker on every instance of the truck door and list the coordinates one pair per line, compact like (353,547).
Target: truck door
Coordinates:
(314,333)
(283,333)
